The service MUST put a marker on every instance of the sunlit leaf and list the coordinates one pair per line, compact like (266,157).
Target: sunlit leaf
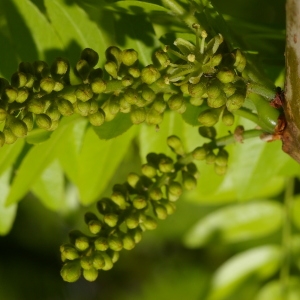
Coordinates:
(37,136)
(235,223)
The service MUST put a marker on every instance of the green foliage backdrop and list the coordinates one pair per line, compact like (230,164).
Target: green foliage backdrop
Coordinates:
(225,240)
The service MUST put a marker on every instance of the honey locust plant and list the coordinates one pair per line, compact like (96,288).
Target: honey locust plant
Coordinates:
(206,75)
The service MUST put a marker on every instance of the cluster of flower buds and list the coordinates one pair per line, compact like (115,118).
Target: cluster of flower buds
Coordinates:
(132,208)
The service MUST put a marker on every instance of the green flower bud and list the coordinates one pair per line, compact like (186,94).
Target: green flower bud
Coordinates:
(216,60)
(127,81)
(82,243)
(90,275)
(132,221)
(10,94)
(226,75)
(119,199)
(41,69)
(69,252)
(141,102)
(84,92)
(114,54)
(150,223)
(10,138)
(111,219)
(83,107)
(155,194)
(26,67)
(139,202)
(47,84)
(112,69)
(159,105)
(59,67)
(166,165)
(197,90)
(128,242)
(210,158)
(98,260)
(115,255)
(209,117)
(137,115)
(148,94)
(18,79)
(98,118)
(17,127)
(131,96)
(28,120)
(23,94)
(176,101)
(114,105)
(69,97)
(98,86)
(30,81)
(90,56)
(192,169)
(36,106)
(43,121)
(199,153)
(71,271)
(229,89)
(153,158)
(150,74)
(184,88)
(240,60)
(134,72)
(174,190)
(64,107)
(214,89)
(54,125)
(196,101)
(3,114)
(161,59)
(133,179)
(129,57)
(83,69)
(86,262)
(136,234)
(108,262)
(93,106)
(182,109)
(235,102)
(189,181)
(175,144)
(217,102)
(95,226)
(149,170)
(2,139)
(160,212)
(153,117)
(115,243)
(169,206)
(101,244)
(220,170)
(222,158)
(227,118)
(208,132)
(53,112)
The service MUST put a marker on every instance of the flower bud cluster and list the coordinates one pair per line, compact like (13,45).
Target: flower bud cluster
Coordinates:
(132,208)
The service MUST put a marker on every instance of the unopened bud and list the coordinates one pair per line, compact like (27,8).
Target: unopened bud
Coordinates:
(108,262)
(209,117)
(153,117)
(98,86)
(115,243)
(113,53)
(199,153)
(227,118)
(210,158)
(160,211)
(175,144)
(43,121)
(138,115)
(155,194)
(101,244)
(132,221)
(128,242)
(220,170)
(86,262)
(83,69)
(208,132)
(175,189)
(148,94)
(137,234)
(10,94)
(23,94)
(10,138)
(159,105)
(98,118)
(28,120)
(111,68)
(65,107)
(53,112)
(69,252)
(139,202)
(82,243)
(235,102)
(3,114)
(189,181)
(217,102)
(114,105)
(133,179)
(222,158)
(90,56)
(98,260)
(175,101)
(18,79)
(131,96)
(134,72)
(83,107)
(226,75)
(84,92)
(196,101)
(166,165)
(59,67)
(127,81)
(129,57)
(161,59)
(17,127)
(41,69)
(71,271)
(90,274)
(150,74)
(150,223)
(119,199)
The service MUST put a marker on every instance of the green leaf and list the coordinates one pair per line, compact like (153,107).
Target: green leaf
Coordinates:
(36,160)
(120,124)
(38,136)
(98,161)
(236,223)
(49,186)
(9,153)
(296,211)
(261,262)
(7,214)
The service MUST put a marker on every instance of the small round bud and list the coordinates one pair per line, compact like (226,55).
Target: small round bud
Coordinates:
(220,170)
(59,67)
(149,170)
(86,262)
(137,234)
(227,118)
(131,96)
(98,86)
(175,102)
(189,181)
(133,179)
(226,75)
(150,223)
(217,102)
(84,93)
(115,243)
(71,271)
(36,106)
(119,199)
(108,262)
(69,252)
(90,56)
(18,79)
(82,243)
(10,94)
(159,105)
(161,212)
(114,54)
(111,68)
(90,274)
(93,106)
(23,94)
(115,255)
(17,127)
(26,67)
(43,121)
(148,94)
(137,115)
(210,158)
(114,105)
(83,107)
(132,221)
(98,260)
(240,60)
(197,90)
(175,189)
(53,112)
(199,153)
(64,107)
(139,202)
(170,207)
(175,144)
(3,114)
(150,74)
(111,219)
(10,138)
(155,194)
(98,118)
(101,244)
(47,84)
(95,226)
(166,165)
(214,89)
(30,81)
(196,101)
(134,72)
(235,102)
(127,81)
(28,120)
(153,117)
(229,89)
(208,117)
(129,57)
(222,158)
(208,132)
(128,242)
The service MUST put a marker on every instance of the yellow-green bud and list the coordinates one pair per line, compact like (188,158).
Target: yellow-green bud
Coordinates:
(209,117)
(175,101)
(65,107)
(161,59)
(175,144)
(23,94)
(159,105)
(138,115)
(137,234)
(210,158)
(111,68)
(3,114)
(170,207)
(98,118)
(47,84)
(83,69)
(240,61)
(36,106)
(127,81)
(166,165)
(82,243)
(70,97)
(153,117)
(196,101)
(86,262)
(160,211)
(18,79)
(101,244)
(59,67)
(189,181)
(98,86)
(90,275)
(10,94)
(155,194)
(133,179)
(108,262)
(222,158)
(53,112)
(150,74)
(30,81)
(95,226)
(2,139)
(83,107)
(134,72)
(214,89)
(98,260)
(148,94)
(90,56)
(229,89)
(43,121)
(17,127)
(113,53)
(217,102)
(131,96)
(115,243)
(199,153)
(41,68)
(94,106)
(150,223)
(71,271)
(58,86)
(139,202)
(10,138)
(128,242)
(149,170)
(220,170)
(197,90)
(216,60)
(114,105)
(115,255)
(226,75)
(69,252)
(28,120)
(175,189)
(129,57)
(208,132)
(132,221)
(227,118)
(54,125)
(84,92)
(111,219)
(119,199)
(235,102)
